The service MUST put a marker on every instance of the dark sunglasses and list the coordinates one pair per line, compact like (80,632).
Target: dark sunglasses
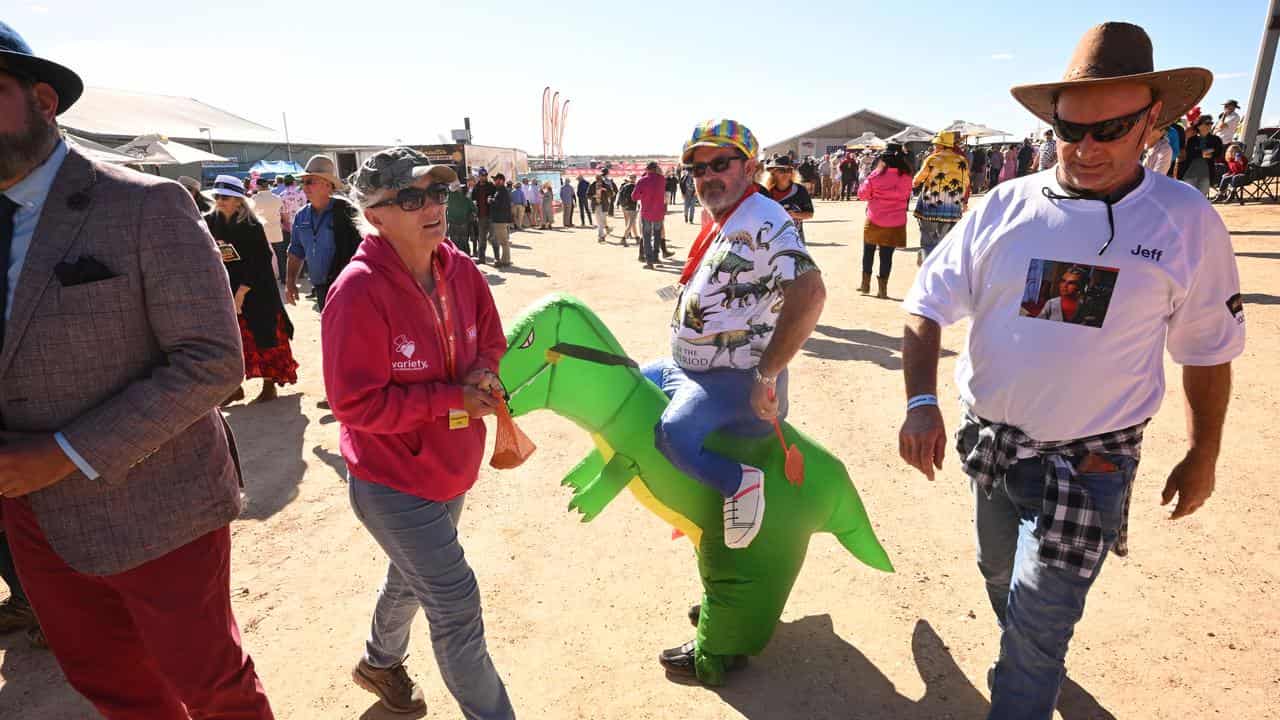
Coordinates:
(717,165)
(1103,131)
(413,198)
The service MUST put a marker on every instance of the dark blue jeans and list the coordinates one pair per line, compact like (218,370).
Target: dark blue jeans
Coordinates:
(702,403)
(1037,605)
(650,236)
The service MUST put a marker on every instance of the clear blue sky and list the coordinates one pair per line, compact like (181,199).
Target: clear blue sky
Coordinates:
(639,74)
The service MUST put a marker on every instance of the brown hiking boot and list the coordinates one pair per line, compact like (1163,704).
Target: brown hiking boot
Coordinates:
(16,614)
(393,686)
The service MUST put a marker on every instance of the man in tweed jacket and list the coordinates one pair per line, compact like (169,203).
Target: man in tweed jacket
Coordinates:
(116,470)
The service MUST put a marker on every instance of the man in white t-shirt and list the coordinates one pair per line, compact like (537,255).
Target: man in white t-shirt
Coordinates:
(1228,122)
(270,210)
(1055,407)
(751,297)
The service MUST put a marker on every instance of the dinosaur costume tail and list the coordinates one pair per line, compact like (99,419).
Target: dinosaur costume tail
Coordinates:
(851,526)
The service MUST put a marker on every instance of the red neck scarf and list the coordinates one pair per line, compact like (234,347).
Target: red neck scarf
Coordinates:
(708,233)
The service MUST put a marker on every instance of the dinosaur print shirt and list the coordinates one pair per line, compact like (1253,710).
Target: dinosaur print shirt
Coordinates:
(726,315)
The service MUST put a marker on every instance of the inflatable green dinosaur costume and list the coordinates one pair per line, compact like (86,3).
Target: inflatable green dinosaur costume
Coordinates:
(561,357)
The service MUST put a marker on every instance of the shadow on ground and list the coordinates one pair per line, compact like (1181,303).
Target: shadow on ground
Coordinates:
(269,440)
(858,344)
(1260,299)
(32,684)
(810,672)
(1260,255)
(334,460)
(531,272)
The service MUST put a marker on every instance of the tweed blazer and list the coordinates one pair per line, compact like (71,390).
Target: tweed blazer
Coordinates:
(130,369)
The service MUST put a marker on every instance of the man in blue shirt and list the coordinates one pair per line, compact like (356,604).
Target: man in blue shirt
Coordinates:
(517,206)
(324,232)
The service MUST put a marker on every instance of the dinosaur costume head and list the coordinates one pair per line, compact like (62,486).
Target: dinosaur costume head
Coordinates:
(561,357)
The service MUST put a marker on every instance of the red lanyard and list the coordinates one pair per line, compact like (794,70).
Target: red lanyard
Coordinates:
(444,321)
(705,237)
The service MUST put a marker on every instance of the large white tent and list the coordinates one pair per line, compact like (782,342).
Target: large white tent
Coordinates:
(160,150)
(911,134)
(96,151)
(866,141)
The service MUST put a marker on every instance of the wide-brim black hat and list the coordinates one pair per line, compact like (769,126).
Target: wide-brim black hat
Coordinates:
(16,58)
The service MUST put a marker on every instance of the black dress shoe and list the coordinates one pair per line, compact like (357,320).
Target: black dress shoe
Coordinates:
(678,661)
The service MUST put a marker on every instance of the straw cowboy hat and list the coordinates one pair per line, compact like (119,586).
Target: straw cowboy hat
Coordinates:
(948,138)
(1114,53)
(322,167)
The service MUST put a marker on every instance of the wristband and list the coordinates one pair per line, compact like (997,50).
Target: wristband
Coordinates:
(921,401)
(765,379)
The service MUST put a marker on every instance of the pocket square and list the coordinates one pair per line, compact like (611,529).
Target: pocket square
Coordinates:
(84,270)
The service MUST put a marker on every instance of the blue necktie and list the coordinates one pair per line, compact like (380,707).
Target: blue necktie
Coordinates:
(8,209)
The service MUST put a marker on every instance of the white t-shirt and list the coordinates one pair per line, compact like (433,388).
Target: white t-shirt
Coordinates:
(1094,363)
(1227,125)
(267,208)
(727,313)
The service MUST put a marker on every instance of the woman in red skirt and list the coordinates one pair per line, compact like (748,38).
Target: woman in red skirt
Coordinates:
(264,325)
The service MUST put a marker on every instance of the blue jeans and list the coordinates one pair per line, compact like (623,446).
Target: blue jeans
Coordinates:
(650,236)
(1036,605)
(931,233)
(702,403)
(689,201)
(428,569)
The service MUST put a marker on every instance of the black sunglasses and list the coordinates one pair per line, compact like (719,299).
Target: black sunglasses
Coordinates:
(1103,131)
(717,165)
(413,198)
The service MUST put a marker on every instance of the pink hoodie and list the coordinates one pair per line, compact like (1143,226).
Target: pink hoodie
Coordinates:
(651,193)
(385,371)
(887,192)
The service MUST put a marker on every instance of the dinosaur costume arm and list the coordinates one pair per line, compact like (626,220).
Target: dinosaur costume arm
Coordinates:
(591,498)
(585,471)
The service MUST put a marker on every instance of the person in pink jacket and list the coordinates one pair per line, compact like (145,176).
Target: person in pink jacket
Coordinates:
(651,193)
(411,340)
(886,191)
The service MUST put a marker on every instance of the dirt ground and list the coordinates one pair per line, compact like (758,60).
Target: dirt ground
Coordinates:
(1188,626)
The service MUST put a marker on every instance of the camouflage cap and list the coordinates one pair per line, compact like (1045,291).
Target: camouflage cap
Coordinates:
(397,168)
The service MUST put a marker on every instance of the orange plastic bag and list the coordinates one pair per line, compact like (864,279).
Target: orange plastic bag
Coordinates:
(511,447)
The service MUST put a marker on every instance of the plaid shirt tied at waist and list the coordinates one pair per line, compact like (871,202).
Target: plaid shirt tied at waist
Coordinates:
(1070,525)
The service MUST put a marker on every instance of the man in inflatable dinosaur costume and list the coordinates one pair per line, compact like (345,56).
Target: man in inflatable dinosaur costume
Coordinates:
(562,357)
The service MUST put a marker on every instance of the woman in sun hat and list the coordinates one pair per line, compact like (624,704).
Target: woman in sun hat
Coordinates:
(1203,152)
(264,326)
(409,399)
(791,195)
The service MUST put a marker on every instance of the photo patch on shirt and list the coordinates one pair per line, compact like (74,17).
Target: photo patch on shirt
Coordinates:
(1235,306)
(1068,292)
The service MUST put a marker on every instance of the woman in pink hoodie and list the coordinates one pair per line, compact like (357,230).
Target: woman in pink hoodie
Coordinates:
(886,190)
(411,341)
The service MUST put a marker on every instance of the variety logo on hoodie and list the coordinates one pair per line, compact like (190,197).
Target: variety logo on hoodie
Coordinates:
(407,347)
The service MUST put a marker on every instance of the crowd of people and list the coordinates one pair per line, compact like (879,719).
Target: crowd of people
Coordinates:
(118,492)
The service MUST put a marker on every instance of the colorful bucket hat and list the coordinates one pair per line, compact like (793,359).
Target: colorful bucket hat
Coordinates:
(721,133)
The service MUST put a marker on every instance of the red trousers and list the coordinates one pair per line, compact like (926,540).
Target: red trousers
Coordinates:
(157,642)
